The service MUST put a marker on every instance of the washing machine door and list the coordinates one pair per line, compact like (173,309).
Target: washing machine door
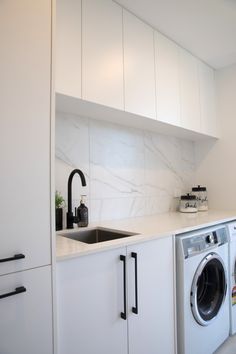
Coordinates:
(208,289)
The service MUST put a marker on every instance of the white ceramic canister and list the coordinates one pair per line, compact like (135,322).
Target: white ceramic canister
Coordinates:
(201,196)
(188,203)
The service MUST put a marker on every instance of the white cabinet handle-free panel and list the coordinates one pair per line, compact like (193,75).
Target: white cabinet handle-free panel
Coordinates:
(102,53)
(207,99)
(189,91)
(167,80)
(139,67)
(68,47)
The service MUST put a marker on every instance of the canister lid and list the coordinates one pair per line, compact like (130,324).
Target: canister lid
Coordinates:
(199,189)
(188,197)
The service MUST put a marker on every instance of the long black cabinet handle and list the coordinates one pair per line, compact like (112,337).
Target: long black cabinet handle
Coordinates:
(123,259)
(20,289)
(14,258)
(135,308)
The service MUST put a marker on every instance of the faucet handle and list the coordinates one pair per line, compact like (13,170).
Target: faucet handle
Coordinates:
(76,216)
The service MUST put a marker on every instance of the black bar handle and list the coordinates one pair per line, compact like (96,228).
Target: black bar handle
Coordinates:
(20,289)
(124,314)
(14,258)
(135,308)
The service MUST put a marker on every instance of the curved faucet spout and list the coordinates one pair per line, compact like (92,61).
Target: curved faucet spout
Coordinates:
(70,217)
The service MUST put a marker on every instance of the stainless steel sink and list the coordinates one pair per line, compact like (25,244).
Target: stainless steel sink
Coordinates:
(95,235)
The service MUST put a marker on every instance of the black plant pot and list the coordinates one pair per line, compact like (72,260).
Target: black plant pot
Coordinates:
(59,214)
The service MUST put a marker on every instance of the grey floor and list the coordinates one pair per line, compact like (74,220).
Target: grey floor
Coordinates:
(228,347)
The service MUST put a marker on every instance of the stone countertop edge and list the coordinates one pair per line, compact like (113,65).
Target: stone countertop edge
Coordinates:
(146,228)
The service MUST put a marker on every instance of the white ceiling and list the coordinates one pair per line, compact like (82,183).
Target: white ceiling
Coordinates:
(207,28)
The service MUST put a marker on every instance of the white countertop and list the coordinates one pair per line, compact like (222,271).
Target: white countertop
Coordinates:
(148,227)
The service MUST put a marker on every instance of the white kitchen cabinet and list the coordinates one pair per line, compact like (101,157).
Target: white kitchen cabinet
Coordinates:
(189,91)
(207,100)
(102,53)
(139,67)
(90,291)
(90,300)
(167,80)
(152,330)
(68,47)
(26,317)
(25,90)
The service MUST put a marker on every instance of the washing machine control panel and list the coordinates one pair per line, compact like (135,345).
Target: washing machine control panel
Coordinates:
(199,243)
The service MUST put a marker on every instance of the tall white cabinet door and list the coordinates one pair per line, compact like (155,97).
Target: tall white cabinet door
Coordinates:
(102,53)
(139,66)
(189,91)
(90,300)
(25,37)
(68,47)
(207,99)
(152,330)
(26,317)
(167,80)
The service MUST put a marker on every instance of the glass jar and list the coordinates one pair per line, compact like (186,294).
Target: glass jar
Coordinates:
(188,204)
(201,196)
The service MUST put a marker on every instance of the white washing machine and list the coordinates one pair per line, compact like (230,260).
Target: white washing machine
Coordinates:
(231,227)
(202,295)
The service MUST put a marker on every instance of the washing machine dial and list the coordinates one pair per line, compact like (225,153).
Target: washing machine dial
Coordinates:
(210,239)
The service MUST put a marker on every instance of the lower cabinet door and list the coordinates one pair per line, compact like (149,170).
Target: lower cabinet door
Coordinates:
(26,312)
(152,327)
(90,299)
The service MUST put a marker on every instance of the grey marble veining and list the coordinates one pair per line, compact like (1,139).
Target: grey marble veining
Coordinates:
(129,172)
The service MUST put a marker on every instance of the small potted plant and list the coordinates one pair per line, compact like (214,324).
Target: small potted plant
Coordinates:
(59,203)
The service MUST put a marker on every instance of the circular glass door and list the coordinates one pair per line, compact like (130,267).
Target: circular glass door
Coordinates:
(208,289)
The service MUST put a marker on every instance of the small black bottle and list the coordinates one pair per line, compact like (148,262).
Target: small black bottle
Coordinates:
(82,213)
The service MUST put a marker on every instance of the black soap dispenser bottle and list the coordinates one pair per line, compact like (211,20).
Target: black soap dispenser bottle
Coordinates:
(82,213)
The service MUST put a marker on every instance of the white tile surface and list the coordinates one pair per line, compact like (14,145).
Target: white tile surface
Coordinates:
(129,172)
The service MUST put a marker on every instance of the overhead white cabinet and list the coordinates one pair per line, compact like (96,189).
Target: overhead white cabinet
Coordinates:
(26,312)
(68,47)
(94,314)
(167,80)
(189,91)
(25,36)
(102,53)
(152,330)
(139,67)
(207,99)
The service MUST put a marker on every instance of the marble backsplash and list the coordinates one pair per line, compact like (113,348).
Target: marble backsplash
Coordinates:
(129,172)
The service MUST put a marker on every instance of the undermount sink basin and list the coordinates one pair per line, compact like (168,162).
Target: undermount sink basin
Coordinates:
(96,235)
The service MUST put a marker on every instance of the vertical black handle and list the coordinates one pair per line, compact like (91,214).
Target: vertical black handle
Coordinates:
(135,308)
(123,259)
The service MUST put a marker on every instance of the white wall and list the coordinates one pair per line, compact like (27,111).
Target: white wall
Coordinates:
(129,172)
(216,161)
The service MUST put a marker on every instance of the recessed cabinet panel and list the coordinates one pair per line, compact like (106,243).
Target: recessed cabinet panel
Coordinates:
(167,80)
(68,47)
(207,100)
(152,329)
(90,299)
(139,67)
(26,317)
(25,37)
(189,91)
(102,53)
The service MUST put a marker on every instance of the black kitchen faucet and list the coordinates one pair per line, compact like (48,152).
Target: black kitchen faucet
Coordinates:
(70,218)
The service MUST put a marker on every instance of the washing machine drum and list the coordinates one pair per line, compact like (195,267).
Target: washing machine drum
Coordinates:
(208,289)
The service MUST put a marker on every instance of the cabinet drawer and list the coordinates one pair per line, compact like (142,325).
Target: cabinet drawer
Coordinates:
(26,317)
